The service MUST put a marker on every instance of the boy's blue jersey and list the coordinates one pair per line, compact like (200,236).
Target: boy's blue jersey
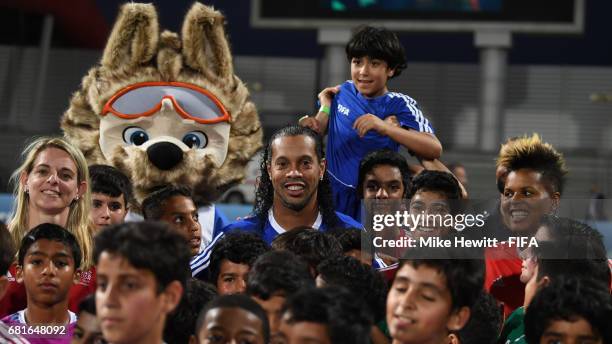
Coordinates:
(345,148)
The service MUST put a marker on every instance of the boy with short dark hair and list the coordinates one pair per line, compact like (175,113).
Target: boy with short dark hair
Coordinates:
(278,272)
(142,270)
(233,319)
(231,259)
(174,205)
(357,244)
(361,115)
(484,324)
(325,315)
(570,310)
(575,250)
(440,182)
(275,276)
(48,260)
(432,295)
(310,245)
(87,329)
(285,241)
(366,283)
(565,239)
(434,193)
(383,185)
(363,281)
(181,324)
(111,195)
(383,174)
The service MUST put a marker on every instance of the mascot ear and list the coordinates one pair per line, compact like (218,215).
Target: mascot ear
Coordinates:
(134,38)
(205,46)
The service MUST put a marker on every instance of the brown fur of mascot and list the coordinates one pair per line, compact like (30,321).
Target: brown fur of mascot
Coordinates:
(161,141)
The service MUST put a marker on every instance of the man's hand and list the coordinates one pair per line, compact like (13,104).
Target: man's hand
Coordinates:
(326,96)
(311,123)
(369,122)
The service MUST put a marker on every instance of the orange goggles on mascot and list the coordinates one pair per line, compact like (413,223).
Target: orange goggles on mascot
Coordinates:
(145,99)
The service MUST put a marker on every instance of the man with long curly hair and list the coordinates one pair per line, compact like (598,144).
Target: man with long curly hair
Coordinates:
(293,192)
(293,189)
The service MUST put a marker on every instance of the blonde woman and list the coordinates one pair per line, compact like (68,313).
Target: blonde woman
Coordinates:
(51,186)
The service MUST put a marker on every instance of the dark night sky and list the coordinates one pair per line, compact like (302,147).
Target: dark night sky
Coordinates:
(594,47)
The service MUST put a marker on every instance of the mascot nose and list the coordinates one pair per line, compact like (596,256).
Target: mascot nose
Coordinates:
(165,155)
(167,105)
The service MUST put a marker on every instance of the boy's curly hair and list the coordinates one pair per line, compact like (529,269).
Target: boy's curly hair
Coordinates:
(570,299)
(237,247)
(532,153)
(362,280)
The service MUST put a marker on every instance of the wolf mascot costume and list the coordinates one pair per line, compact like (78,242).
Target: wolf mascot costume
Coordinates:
(164,109)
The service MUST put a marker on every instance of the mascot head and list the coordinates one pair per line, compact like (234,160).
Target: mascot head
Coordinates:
(165,109)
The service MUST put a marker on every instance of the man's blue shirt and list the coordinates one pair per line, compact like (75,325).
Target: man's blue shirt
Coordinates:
(201,262)
(250,224)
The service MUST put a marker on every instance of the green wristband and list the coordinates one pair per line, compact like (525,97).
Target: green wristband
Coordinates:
(324,108)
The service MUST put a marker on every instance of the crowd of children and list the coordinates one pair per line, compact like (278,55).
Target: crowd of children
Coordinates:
(303,267)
